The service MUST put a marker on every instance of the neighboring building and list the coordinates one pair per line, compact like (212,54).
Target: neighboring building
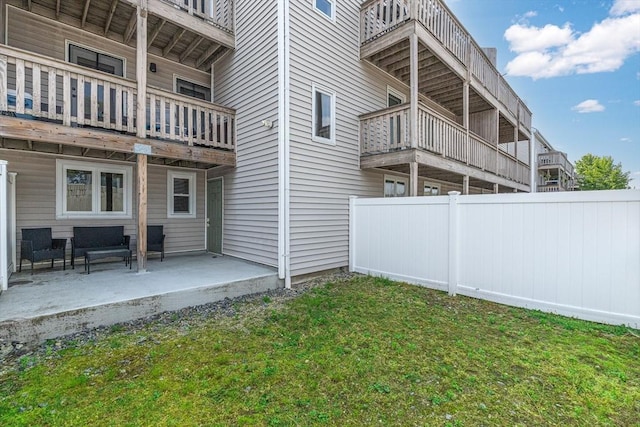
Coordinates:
(260,119)
(553,171)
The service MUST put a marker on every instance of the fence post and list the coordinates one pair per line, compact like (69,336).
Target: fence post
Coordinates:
(352,232)
(4,278)
(453,242)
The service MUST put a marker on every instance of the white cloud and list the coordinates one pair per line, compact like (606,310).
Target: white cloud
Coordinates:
(588,106)
(622,7)
(530,14)
(524,39)
(637,103)
(625,139)
(552,51)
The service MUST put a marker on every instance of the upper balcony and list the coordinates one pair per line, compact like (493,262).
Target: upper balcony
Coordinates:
(191,32)
(463,152)
(56,102)
(555,160)
(448,56)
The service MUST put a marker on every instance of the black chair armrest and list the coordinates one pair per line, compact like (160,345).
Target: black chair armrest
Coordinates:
(58,243)
(163,236)
(126,239)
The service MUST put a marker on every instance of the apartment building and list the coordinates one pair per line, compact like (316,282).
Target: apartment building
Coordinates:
(244,126)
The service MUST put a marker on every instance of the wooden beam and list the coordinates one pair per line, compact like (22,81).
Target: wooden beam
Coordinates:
(174,40)
(141,71)
(426,158)
(85,12)
(57,9)
(195,25)
(141,242)
(131,27)
(194,44)
(413,179)
(413,47)
(210,51)
(38,131)
(155,32)
(112,11)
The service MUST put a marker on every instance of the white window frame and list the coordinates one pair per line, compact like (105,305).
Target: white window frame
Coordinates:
(431,185)
(68,42)
(333,4)
(396,179)
(96,169)
(396,93)
(332,138)
(191,176)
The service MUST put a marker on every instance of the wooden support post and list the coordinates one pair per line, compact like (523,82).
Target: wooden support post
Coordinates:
(142,213)
(465,184)
(413,48)
(496,187)
(413,178)
(141,132)
(465,117)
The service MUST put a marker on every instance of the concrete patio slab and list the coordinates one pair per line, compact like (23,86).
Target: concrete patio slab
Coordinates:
(52,303)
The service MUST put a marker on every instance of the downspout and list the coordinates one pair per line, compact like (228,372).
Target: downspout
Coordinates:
(284,164)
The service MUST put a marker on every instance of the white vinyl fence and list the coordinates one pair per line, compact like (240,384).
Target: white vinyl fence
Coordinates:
(571,253)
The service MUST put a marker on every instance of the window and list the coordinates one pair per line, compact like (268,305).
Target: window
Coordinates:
(181,194)
(100,61)
(395,186)
(326,7)
(395,97)
(86,190)
(324,115)
(431,189)
(96,60)
(192,89)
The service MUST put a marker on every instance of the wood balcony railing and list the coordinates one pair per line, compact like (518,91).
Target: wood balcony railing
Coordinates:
(388,130)
(217,12)
(555,159)
(379,17)
(36,87)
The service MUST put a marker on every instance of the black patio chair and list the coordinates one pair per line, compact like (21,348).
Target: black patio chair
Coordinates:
(37,245)
(155,239)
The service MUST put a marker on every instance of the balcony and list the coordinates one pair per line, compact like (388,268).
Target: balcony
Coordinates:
(387,131)
(448,55)
(46,93)
(555,160)
(191,32)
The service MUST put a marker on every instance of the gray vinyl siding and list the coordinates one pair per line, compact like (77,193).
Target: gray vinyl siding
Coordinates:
(36,202)
(324,176)
(51,36)
(247,80)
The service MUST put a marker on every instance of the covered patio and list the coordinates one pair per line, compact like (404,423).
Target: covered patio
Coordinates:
(52,302)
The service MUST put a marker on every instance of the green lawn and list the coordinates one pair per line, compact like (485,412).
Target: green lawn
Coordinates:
(362,351)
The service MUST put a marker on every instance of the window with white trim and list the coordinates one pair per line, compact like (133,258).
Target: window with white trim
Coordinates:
(326,7)
(431,189)
(395,97)
(88,190)
(181,194)
(395,186)
(323,112)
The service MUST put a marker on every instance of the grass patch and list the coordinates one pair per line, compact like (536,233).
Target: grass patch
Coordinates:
(365,351)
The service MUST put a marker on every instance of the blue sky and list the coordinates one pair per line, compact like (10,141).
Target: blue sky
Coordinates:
(575,63)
